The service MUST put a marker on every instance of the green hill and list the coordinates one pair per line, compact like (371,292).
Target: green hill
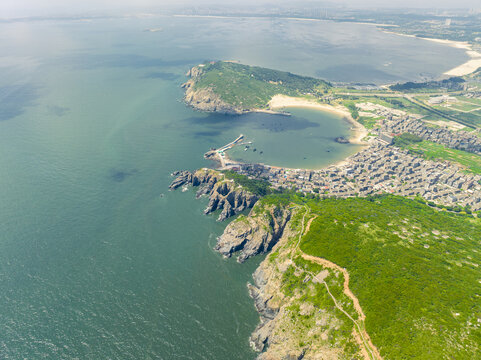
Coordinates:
(252,86)
(415,271)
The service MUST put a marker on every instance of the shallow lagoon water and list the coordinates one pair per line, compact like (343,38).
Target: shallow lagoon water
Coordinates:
(306,139)
(94,262)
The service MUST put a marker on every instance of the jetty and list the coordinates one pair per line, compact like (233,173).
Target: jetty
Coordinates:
(221,156)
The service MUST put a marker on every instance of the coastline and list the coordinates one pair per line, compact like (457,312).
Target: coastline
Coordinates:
(284,101)
(470,66)
(279,102)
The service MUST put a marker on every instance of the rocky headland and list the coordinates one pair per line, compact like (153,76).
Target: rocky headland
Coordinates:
(224,194)
(275,229)
(205,99)
(253,234)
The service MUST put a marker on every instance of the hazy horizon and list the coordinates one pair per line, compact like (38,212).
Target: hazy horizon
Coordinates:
(18,8)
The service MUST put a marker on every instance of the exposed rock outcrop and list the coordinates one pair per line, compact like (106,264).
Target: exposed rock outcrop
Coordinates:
(205,177)
(205,99)
(255,234)
(341,140)
(281,332)
(271,305)
(259,338)
(223,194)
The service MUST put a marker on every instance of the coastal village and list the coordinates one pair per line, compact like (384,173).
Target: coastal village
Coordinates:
(382,168)
(459,140)
(384,165)
(378,169)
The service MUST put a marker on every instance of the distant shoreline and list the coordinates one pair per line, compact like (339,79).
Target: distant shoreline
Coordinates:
(283,17)
(470,66)
(466,68)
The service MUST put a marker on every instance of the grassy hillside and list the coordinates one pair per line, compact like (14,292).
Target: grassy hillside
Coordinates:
(415,271)
(252,86)
(308,321)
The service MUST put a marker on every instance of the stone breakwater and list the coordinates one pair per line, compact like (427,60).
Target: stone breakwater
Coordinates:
(223,194)
(205,99)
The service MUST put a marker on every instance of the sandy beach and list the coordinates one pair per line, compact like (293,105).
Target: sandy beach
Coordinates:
(283,101)
(467,68)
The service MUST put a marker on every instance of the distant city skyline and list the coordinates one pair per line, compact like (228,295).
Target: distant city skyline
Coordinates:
(14,8)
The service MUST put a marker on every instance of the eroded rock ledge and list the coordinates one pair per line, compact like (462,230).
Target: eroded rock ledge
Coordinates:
(271,303)
(267,310)
(224,194)
(282,333)
(254,234)
(248,235)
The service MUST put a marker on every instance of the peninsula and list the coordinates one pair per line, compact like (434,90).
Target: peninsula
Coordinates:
(375,257)
(232,88)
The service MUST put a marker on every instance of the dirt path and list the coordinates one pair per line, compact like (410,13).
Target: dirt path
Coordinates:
(368,349)
(347,291)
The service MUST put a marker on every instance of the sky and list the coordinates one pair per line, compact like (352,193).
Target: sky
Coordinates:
(14,8)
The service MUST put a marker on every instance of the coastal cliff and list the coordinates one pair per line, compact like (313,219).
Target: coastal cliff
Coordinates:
(253,234)
(288,319)
(205,99)
(294,322)
(224,194)
(232,88)
(325,278)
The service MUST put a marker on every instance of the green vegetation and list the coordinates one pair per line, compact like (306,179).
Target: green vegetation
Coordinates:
(258,187)
(252,86)
(451,84)
(464,26)
(414,270)
(399,103)
(301,293)
(471,119)
(406,139)
(433,151)
(466,104)
(310,321)
(351,106)
(367,122)
(465,112)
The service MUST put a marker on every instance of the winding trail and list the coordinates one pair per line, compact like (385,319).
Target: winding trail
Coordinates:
(369,350)
(366,340)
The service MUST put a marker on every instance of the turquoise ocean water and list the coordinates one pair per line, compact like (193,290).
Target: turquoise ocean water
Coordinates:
(94,262)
